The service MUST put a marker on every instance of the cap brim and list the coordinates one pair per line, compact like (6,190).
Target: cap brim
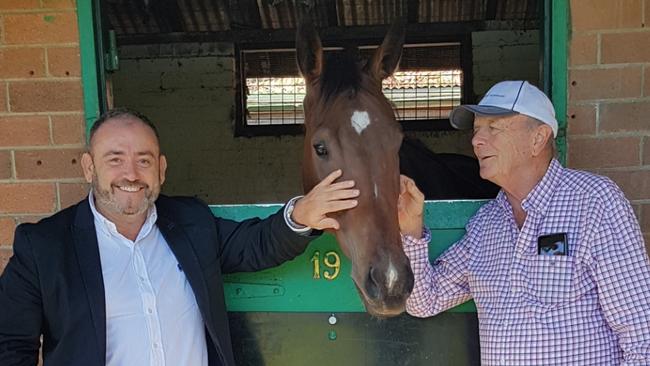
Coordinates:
(462,117)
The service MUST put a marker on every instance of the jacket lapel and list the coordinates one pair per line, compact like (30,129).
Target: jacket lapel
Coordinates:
(87,249)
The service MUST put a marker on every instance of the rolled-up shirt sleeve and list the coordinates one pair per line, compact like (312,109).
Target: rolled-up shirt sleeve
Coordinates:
(441,285)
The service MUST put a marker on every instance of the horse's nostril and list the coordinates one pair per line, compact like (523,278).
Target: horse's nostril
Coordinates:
(372,285)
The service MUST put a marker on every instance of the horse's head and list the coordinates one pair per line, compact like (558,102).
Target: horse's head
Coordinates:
(349,124)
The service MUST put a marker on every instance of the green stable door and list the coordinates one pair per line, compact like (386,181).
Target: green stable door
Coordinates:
(308,312)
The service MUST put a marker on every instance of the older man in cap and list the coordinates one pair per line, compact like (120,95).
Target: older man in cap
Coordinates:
(556,263)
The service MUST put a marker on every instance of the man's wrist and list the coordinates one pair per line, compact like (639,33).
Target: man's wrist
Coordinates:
(294,226)
(423,238)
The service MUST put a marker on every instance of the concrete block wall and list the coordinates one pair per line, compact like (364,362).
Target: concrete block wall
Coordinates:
(41,113)
(499,52)
(188,91)
(609,96)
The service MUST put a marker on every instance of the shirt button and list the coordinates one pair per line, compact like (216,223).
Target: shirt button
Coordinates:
(150,311)
(155,345)
(504,323)
(502,360)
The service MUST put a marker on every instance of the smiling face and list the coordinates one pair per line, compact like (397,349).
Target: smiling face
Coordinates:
(503,146)
(125,168)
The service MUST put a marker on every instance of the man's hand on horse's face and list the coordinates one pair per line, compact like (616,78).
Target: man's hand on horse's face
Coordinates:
(326,197)
(410,206)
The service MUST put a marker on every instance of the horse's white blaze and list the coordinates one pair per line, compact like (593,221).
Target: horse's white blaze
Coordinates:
(360,120)
(391,276)
(376,191)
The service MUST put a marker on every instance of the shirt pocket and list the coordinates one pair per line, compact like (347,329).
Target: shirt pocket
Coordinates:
(549,280)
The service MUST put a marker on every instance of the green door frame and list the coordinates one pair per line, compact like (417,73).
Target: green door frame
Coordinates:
(92,62)
(555,39)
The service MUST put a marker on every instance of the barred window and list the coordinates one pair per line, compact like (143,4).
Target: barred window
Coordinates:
(424,90)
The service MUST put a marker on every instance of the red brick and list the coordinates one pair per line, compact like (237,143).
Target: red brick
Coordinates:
(3,97)
(22,62)
(605,14)
(584,49)
(7,227)
(31,219)
(41,28)
(5,165)
(645,218)
(45,96)
(71,193)
(24,131)
(637,210)
(5,254)
(635,183)
(27,198)
(48,164)
(595,152)
(59,4)
(625,47)
(632,116)
(581,119)
(68,129)
(646,73)
(19,4)
(646,151)
(620,82)
(64,61)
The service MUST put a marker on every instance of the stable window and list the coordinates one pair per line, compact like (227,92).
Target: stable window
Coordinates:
(429,83)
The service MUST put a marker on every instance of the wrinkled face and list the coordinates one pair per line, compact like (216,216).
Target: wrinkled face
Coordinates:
(503,146)
(125,168)
(360,136)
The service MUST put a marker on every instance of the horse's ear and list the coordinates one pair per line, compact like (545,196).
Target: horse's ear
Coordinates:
(308,48)
(386,58)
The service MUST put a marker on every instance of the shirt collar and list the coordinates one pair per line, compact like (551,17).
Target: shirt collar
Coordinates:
(108,227)
(539,198)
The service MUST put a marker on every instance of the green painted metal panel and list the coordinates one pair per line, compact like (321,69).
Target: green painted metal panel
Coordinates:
(89,74)
(559,19)
(310,282)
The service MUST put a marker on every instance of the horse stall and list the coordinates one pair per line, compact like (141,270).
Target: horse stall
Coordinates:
(220,80)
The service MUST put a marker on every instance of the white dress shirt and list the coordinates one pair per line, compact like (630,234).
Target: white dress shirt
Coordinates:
(152,317)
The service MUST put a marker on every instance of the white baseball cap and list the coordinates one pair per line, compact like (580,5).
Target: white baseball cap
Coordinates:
(505,98)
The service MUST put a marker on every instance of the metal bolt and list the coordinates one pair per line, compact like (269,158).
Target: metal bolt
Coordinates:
(332,319)
(332,335)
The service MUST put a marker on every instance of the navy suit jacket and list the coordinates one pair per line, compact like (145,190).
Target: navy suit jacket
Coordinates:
(53,285)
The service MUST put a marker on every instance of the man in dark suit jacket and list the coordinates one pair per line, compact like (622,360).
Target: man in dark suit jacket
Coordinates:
(128,277)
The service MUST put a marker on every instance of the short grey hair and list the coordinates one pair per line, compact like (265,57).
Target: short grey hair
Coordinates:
(550,144)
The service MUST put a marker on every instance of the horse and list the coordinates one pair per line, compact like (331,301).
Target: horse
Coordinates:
(350,125)
(443,176)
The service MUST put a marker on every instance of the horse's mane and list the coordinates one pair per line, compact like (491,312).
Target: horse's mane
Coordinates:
(341,73)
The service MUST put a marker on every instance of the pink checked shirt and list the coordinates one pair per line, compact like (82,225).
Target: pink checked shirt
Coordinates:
(590,307)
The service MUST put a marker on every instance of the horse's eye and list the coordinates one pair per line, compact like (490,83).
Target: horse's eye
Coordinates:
(320,149)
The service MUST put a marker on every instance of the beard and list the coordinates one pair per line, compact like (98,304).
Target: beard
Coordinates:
(107,199)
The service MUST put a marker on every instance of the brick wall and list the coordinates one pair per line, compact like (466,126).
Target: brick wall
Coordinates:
(609,96)
(41,113)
